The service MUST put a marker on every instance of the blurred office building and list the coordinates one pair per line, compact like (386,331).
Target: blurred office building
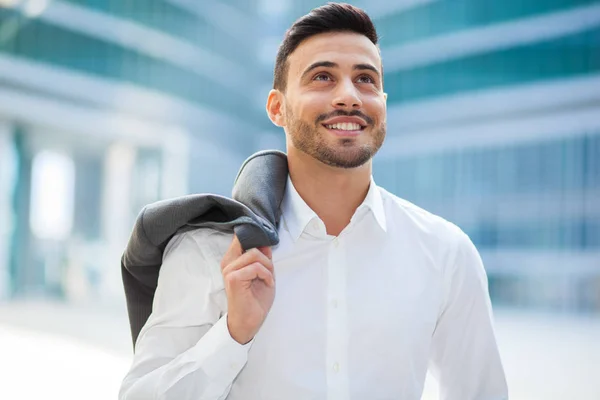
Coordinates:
(106,106)
(493,123)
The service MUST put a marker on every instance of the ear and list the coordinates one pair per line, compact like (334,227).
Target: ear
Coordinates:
(275,108)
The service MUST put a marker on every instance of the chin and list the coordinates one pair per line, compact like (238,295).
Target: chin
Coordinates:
(346,158)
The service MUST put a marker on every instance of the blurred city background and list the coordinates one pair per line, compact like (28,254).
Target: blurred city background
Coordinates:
(107,105)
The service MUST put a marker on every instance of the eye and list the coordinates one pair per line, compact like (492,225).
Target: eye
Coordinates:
(322,77)
(365,79)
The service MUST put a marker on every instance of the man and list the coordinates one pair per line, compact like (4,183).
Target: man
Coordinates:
(371,290)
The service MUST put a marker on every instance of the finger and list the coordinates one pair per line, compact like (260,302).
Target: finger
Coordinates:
(249,257)
(266,250)
(233,252)
(251,272)
(237,266)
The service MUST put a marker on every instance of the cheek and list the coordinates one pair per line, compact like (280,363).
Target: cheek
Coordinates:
(376,109)
(310,109)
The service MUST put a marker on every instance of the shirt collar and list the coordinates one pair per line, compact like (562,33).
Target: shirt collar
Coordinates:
(374,202)
(297,214)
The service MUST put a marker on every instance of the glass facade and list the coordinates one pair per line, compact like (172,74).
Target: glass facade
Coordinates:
(531,204)
(447,17)
(561,58)
(152,99)
(552,189)
(48,42)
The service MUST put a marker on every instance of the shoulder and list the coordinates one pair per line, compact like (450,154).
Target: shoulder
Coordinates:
(189,276)
(194,252)
(444,242)
(418,221)
(203,241)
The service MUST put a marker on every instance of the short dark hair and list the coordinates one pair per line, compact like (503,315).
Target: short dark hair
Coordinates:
(332,17)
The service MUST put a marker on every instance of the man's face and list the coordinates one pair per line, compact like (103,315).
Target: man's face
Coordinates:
(334,107)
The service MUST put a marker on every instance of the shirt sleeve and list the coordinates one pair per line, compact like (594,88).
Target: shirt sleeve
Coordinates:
(465,359)
(185,350)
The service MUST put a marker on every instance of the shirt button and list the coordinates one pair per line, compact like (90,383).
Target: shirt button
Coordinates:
(334,303)
(336,242)
(336,367)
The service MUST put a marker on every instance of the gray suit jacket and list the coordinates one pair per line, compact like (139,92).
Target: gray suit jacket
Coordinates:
(253,214)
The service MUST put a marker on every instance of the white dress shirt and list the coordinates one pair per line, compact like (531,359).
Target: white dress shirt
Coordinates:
(359,316)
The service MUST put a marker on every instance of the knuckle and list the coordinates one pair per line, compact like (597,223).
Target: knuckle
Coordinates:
(261,255)
(225,270)
(255,266)
(253,254)
(230,278)
(260,265)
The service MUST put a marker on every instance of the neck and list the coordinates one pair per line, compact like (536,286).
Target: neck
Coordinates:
(332,193)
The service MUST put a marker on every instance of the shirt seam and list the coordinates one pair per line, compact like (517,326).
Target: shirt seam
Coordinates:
(446,282)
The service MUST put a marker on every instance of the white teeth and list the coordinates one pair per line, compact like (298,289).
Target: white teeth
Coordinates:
(345,126)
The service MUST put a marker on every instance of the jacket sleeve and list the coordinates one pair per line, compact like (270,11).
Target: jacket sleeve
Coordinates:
(465,359)
(185,350)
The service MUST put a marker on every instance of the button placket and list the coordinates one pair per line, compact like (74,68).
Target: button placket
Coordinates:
(337,323)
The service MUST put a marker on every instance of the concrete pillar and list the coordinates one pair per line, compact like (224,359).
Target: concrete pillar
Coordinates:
(8,161)
(175,165)
(117,214)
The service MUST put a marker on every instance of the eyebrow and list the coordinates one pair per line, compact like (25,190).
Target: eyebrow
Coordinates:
(362,67)
(329,64)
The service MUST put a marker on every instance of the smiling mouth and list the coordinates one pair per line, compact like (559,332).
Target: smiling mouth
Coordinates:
(349,127)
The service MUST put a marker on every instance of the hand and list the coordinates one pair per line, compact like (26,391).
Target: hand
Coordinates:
(250,286)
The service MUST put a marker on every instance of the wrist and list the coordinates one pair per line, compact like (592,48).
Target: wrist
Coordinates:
(237,334)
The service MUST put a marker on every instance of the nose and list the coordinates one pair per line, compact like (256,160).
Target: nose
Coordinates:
(346,96)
